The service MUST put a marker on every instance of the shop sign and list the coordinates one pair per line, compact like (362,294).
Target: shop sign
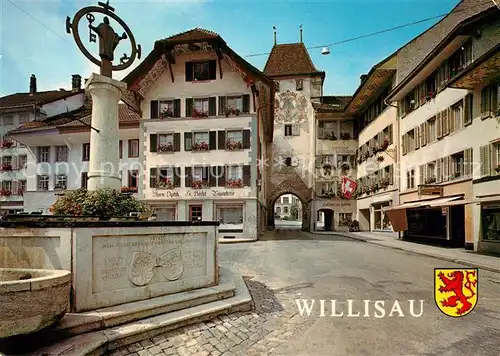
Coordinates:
(200,193)
(430,190)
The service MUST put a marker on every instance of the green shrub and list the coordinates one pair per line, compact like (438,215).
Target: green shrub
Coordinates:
(103,203)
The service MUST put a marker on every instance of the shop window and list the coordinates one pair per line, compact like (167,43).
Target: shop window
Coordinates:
(195,212)
(230,215)
(491,224)
(381,221)
(167,213)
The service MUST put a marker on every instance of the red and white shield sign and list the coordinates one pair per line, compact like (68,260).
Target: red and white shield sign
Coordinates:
(348,187)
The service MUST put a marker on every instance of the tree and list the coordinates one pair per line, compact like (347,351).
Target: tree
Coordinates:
(294,211)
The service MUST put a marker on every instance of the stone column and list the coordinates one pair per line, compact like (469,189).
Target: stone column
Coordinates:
(104,145)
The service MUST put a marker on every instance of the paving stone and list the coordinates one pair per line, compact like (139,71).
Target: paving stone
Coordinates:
(134,347)
(170,351)
(144,352)
(155,350)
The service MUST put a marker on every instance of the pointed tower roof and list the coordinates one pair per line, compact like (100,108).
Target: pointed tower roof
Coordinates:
(290,59)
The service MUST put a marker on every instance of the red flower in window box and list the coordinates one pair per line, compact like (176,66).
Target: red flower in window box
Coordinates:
(234,183)
(5,192)
(233,145)
(200,146)
(129,189)
(7,144)
(198,114)
(165,147)
(20,191)
(165,183)
(430,96)
(5,167)
(200,184)
(166,113)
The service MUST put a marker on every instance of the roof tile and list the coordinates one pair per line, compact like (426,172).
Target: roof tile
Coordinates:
(26,99)
(289,59)
(193,35)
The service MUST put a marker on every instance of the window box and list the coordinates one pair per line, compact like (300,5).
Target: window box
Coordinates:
(5,167)
(200,146)
(328,194)
(232,111)
(60,186)
(165,183)
(330,136)
(380,159)
(5,192)
(457,175)
(166,113)
(7,144)
(200,184)
(345,136)
(430,95)
(233,145)
(129,190)
(385,182)
(234,183)
(166,147)
(198,114)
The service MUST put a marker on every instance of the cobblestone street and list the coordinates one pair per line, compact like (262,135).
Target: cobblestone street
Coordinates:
(259,332)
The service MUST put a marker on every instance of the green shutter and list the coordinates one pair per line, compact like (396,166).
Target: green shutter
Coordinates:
(153,144)
(189,107)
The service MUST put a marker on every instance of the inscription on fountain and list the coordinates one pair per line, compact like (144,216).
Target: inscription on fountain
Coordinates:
(128,261)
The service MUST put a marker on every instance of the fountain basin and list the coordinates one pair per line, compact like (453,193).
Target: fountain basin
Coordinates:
(32,299)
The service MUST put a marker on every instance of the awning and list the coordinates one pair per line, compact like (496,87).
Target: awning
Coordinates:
(422,203)
(405,206)
(443,202)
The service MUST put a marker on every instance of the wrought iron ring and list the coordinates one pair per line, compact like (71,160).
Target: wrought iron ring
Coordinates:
(73,27)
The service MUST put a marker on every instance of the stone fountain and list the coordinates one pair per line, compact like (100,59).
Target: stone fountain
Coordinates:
(129,280)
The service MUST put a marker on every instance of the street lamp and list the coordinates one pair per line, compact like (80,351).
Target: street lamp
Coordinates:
(325,51)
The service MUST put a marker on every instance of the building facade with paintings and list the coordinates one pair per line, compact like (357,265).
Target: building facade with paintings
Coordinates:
(205,131)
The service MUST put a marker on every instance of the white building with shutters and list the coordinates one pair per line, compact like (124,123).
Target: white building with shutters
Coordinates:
(206,125)
(447,135)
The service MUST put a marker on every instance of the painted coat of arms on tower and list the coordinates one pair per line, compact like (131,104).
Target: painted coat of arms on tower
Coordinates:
(290,107)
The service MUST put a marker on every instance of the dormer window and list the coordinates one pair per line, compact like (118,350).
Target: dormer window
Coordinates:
(299,84)
(201,70)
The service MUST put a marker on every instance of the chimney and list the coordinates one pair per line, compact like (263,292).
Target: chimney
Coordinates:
(76,82)
(363,77)
(32,84)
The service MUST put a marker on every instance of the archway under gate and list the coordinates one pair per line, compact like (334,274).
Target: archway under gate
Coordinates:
(325,220)
(287,212)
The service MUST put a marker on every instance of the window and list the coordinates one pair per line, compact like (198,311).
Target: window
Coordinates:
(489,99)
(431,173)
(288,130)
(198,174)
(460,59)
(327,130)
(286,200)
(381,220)
(285,210)
(7,161)
(43,182)
(165,177)
(165,108)
(432,130)
(195,212)
(165,213)
(43,154)
(277,86)
(61,182)
(85,178)
(278,210)
(234,172)
(410,179)
(61,153)
(328,187)
(201,70)
(496,157)
(345,216)
(22,161)
(346,130)
(299,84)
(458,116)
(201,105)
(21,186)
(457,165)
(235,102)
(7,185)
(235,136)
(86,152)
(430,86)
(411,140)
(201,137)
(288,161)
(491,223)
(133,148)
(8,120)
(230,215)
(24,118)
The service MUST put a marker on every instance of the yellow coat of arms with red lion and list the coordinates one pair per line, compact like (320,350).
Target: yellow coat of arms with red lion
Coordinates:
(456,290)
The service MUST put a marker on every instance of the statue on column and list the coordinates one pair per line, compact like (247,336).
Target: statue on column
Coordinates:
(108,38)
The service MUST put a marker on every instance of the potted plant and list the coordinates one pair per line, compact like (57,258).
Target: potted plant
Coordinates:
(200,146)
(345,166)
(234,183)
(331,136)
(380,158)
(200,184)
(232,111)
(327,166)
(430,95)
(456,174)
(327,194)
(165,183)
(233,145)
(385,182)
(198,114)
(166,147)
(166,113)
(430,180)
(497,168)
(5,192)
(345,136)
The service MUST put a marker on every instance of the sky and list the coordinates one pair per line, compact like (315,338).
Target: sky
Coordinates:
(33,38)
